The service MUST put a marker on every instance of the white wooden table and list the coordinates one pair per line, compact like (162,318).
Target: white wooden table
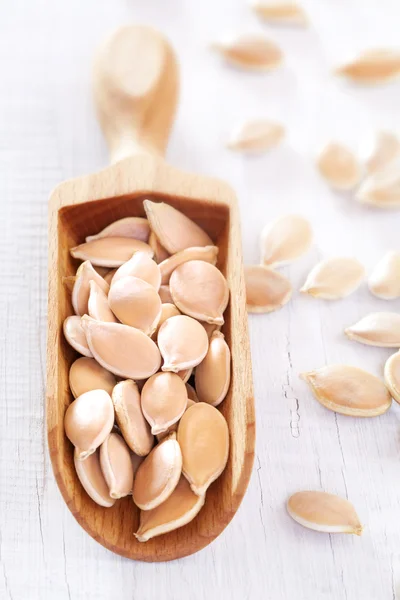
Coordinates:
(48,133)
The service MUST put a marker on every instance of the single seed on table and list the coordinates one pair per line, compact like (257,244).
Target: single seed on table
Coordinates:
(98,307)
(110,251)
(200,291)
(384,281)
(203,437)
(69,282)
(372,67)
(165,294)
(382,189)
(385,149)
(163,399)
(116,465)
(81,290)
(109,276)
(392,375)
(280,12)
(160,252)
(136,303)
(141,265)
(75,335)
(213,374)
(252,52)
(123,350)
(183,343)
(92,479)
(130,419)
(86,375)
(349,390)
(129,227)
(167,310)
(284,240)
(334,278)
(191,392)
(174,230)
(377,329)
(324,512)
(339,166)
(207,253)
(88,421)
(266,289)
(256,136)
(158,475)
(179,509)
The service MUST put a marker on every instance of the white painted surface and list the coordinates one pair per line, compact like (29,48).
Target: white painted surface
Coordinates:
(48,133)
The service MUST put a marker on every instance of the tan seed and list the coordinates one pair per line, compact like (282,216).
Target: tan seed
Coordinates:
(339,166)
(98,307)
(382,189)
(372,67)
(116,465)
(334,278)
(384,281)
(392,375)
(183,343)
(207,253)
(285,239)
(110,251)
(75,335)
(92,479)
(86,375)
(385,149)
(252,52)
(167,310)
(141,265)
(136,303)
(160,253)
(377,329)
(324,512)
(213,374)
(256,136)
(173,428)
(280,12)
(266,289)
(349,390)
(165,294)
(81,290)
(164,399)
(130,419)
(137,228)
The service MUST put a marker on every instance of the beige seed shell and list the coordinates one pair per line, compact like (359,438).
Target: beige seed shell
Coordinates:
(167,310)
(285,239)
(280,12)
(334,278)
(207,253)
(158,475)
(75,335)
(204,440)
(141,265)
(324,512)
(92,479)
(164,399)
(160,252)
(372,67)
(98,307)
(116,465)
(137,228)
(86,375)
(252,52)
(88,421)
(179,509)
(130,419)
(174,230)
(110,251)
(123,350)
(81,290)
(382,189)
(384,281)
(339,166)
(392,375)
(200,290)
(258,135)
(386,148)
(377,329)
(266,289)
(183,343)
(173,428)
(349,391)
(213,374)
(136,303)
(165,294)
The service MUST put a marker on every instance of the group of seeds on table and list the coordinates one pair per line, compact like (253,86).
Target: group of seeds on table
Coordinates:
(149,304)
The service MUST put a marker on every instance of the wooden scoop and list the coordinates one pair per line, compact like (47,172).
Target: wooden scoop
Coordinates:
(135,87)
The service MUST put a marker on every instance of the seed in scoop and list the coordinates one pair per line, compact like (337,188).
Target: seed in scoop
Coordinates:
(213,374)
(372,67)
(81,291)
(164,399)
(110,251)
(266,289)
(158,475)
(349,391)
(334,278)
(167,310)
(137,228)
(116,465)
(179,509)
(173,428)
(75,335)
(141,265)
(392,375)
(191,392)
(204,440)
(109,276)
(86,375)
(385,149)
(200,290)
(252,52)
(160,252)
(98,307)
(280,12)
(88,421)
(377,329)
(130,419)
(284,240)
(136,303)
(123,350)
(174,230)
(384,281)
(165,294)
(92,479)
(324,512)
(207,253)
(256,136)
(382,189)
(183,343)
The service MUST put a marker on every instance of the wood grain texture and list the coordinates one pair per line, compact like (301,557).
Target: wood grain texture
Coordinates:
(48,132)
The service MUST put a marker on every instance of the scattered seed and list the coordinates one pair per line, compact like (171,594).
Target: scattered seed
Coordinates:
(213,374)
(81,290)
(98,304)
(339,166)
(207,253)
(384,281)
(372,67)
(386,148)
(377,329)
(183,343)
(92,479)
(136,303)
(116,465)
(280,13)
(86,375)
(285,239)
(130,419)
(160,253)
(75,335)
(382,189)
(256,136)
(110,251)
(266,290)
(164,399)
(334,278)
(137,228)
(324,512)
(349,390)
(251,52)
(392,375)
(141,266)
(165,294)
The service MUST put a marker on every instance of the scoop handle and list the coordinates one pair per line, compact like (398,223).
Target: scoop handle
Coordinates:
(135,86)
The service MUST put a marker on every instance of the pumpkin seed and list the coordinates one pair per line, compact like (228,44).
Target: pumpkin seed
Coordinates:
(339,166)
(81,290)
(136,303)
(130,419)
(334,278)
(137,228)
(384,281)
(386,148)
(280,12)
(377,329)
(266,290)
(250,51)
(110,251)
(285,239)
(372,67)
(98,307)
(213,374)
(392,375)
(116,465)
(207,253)
(160,252)
(92,479)
(75,335)
(141,266)
(183,343)
(164,399)
(324,512)
(382,189)
(86,375)
(167,310)
(258,135)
